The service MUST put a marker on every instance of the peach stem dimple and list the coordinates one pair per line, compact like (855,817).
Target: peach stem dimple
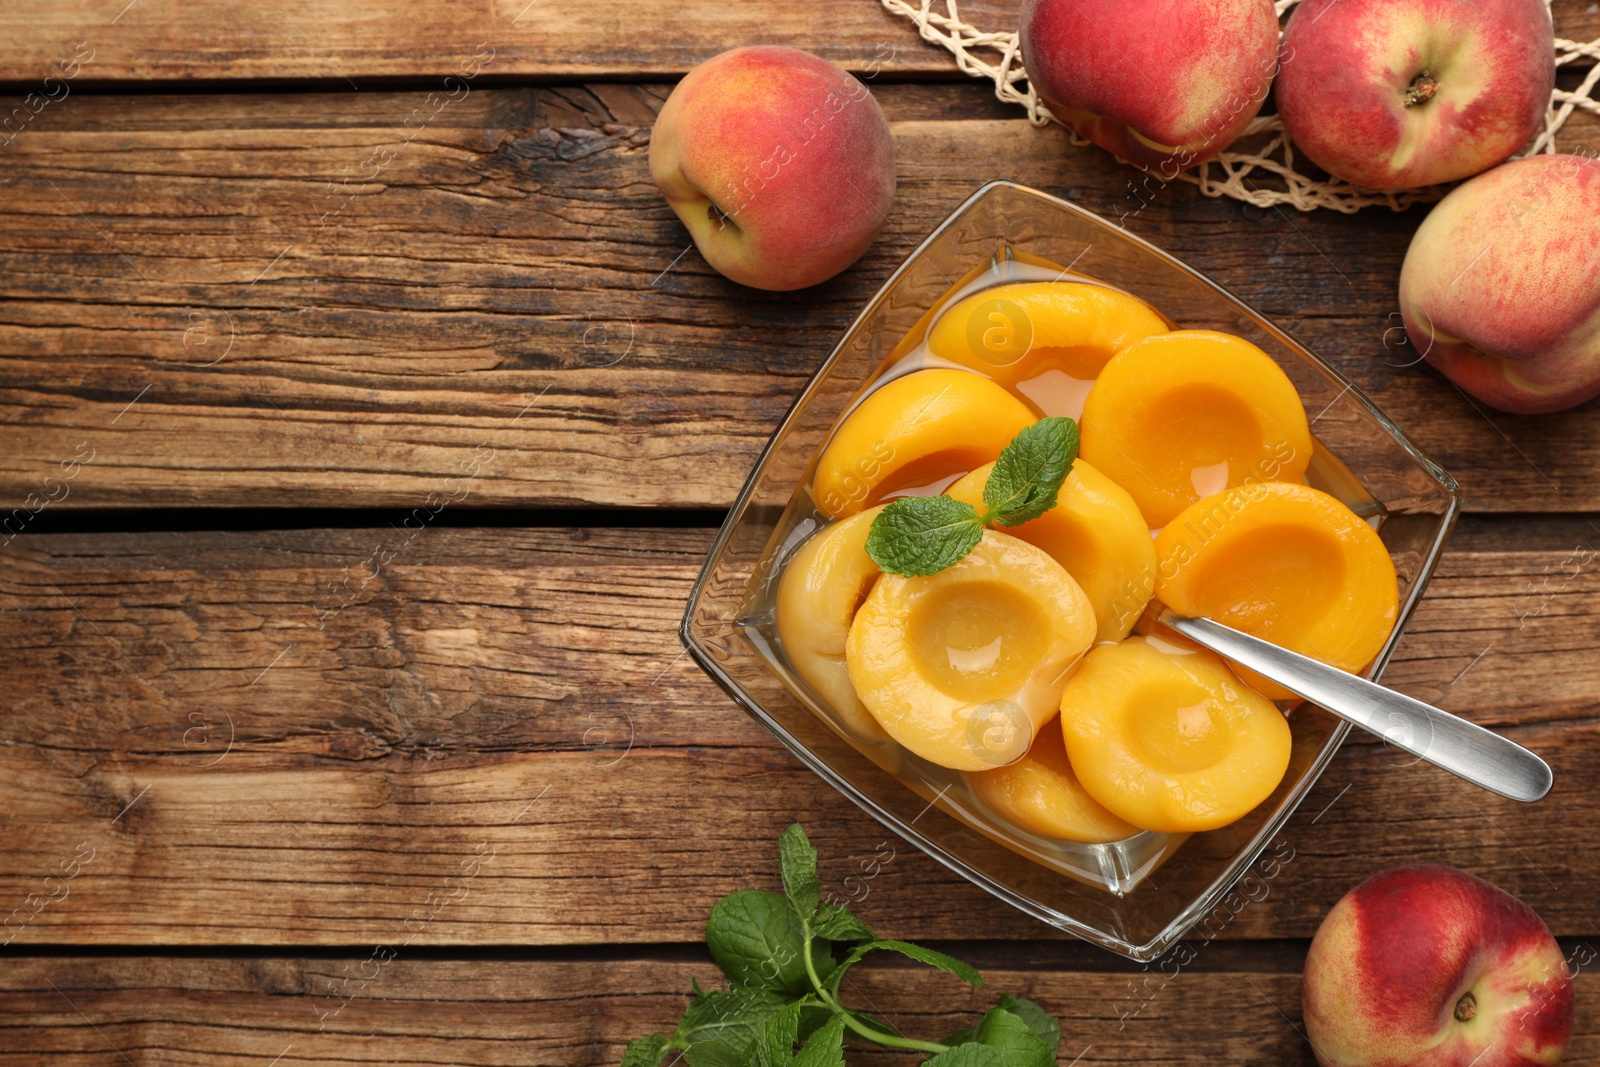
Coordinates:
(718,216)
(1421,89)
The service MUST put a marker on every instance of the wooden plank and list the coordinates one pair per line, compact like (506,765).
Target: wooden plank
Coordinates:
(580,850)
(343,43)
(241,773)
(450,645)
(404,1010)
(190,296)
(554,1013)
(346,44)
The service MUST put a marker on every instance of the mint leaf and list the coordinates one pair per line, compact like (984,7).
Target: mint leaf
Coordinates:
(797,861)
(1015,1040)
(774,1045)
(757,940)
(921,535)
(734,1018)
(813,1017)
(969,1055)
(1028,475)
(644,1051)
(826,1046)
(1037,1019)
(712,1054)
(948,964)
(1042,1022)
(835,923)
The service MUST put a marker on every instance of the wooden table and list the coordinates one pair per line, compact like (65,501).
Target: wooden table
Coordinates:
(277,673)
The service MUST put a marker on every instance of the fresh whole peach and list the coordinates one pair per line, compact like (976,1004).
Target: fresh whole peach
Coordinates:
(1432,965)
(1391,94)
(1162,84)
(1501,286)
(779,163)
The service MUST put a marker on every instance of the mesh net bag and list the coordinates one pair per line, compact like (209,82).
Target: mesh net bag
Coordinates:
(1260,167)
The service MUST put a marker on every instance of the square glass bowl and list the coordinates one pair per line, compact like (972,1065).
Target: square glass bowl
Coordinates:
(1101,893)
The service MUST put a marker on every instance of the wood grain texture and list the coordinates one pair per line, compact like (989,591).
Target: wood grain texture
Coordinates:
(241,774)
(347,44)
(567,1014)
(192,292)
(579,1014)
(344,44)
(448,741)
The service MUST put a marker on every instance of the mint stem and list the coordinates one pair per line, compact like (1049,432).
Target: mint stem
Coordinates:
(829,997)
(811,969)
(891,1040)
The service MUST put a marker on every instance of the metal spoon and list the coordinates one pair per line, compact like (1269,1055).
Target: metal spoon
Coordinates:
(1465,749)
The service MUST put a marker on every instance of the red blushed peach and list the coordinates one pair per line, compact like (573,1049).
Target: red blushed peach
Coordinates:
(778,162)
(1391,94)
(1431,965)
(1161,84)
(1501,286)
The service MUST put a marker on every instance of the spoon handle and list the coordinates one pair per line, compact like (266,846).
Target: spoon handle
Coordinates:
(1465,749)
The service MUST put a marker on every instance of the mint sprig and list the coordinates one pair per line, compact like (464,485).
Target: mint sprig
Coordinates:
(784,989)
(922,535)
